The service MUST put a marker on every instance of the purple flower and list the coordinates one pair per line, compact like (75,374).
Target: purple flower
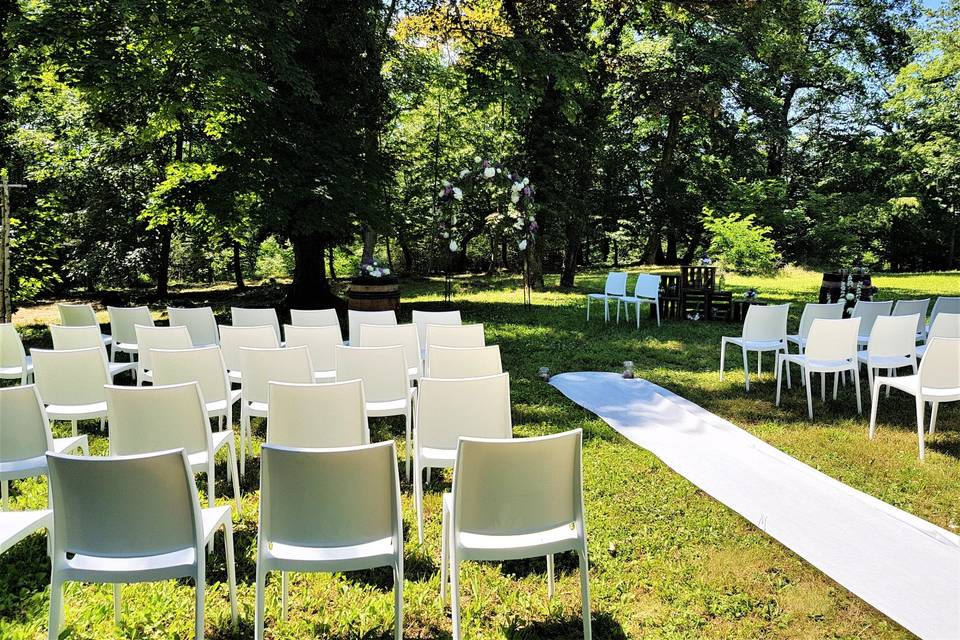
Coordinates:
(533,226)
(526,191)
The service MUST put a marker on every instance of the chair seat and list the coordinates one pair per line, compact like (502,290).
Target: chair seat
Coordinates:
(76,411)
(219,407)
(818,365)
(126,347)
(120,367)
(911,384)
(29,467)
(481,546)
(17,372)
(635,299)
(389,407)
(922,349)
(602,296)
(797,339)
(885,362)
(17,525)
(234,376)
(413,372)
(325,376)
(106,339)
(369,554)
(756,345)
(434,457)
(257,408)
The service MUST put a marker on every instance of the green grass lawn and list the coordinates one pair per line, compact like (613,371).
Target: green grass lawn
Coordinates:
(667,561)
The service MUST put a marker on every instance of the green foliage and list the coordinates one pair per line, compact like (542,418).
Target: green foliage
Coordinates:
(740,244)
(274,260)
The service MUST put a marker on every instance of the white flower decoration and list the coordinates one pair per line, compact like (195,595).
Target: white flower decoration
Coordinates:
(532,219)
(375,274)
(516,186)
(489,172)
(446,183)
(518,225)
(457,193)
(453,245)
(514,197)
(476,159)
(385,271)
(523,245)
(850,296)
(526,181)
(464,173)
(498,169)
(445,235)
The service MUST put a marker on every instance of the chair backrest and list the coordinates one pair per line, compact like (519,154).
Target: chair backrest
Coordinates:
(314,317)
(200,322)
(203,365)
(11,347)
(24,428)
(250,317)
(262,366)
(159,338)
(76,337)
(423,318)
(405,335)
(518,486)
(468,407)
(463,336)
(357,318)
(233,338)
(833,339)
(71,377)
(913,307)
(124,507)
(893,336)
(77,315)
(319,341)
(647,286)
(945,325)
(330,497)
(157,418)
(459,362)
(868,312)
(945,304)
(383,371)
(765,322)
(123,322)
(939,368)
(813,311)
(698,277)
(317,415)
(616,284)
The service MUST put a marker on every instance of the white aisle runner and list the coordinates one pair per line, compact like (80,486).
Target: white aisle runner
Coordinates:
(906,567)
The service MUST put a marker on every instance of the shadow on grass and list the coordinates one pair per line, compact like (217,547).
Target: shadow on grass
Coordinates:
(602,625)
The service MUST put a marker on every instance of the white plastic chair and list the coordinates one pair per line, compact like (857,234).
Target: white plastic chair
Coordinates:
(149,338)
(868,312)
(811,312)
(462,336)
(328,510)
(203,365)
(82,315)
(944,304)
(199,321)
(85,337)
(469,362)
(614,289)
(123,322)
(25,437)
(764,329)
(517,498)
(831,348)
(232,339)
(645,291)
(423,318)
(17,525)
(317,415)
(386,387)
(892,345)
(937,381)
(131,519)
(160,418)
(248,317)
(947,325)
(261,367)
(320,341)
(314,318)
(405,335)
(914,307)
(15,364)
(357,318)
(448,410)
(71,384)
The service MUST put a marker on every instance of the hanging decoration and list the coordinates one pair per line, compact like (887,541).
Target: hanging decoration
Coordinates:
(510,211)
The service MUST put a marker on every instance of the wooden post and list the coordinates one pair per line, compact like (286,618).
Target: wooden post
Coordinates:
(6,302)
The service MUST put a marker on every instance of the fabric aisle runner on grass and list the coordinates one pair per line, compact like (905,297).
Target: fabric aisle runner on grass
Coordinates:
(902,565)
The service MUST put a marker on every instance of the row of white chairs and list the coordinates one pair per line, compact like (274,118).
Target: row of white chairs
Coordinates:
(646,291)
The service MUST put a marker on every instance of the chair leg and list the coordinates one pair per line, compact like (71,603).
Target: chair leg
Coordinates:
(444,541)
(585,593)
(874,399)
(231,570)
(656,305)
(73,423)
(418,497)
(201,586)
(933,416)
(920,407)
(588,308)
(406,425)
(893,374)
(809,379)
(746,369)
(785,352)
(606,310)
(455,592)
(4,495)
(856,384)
(550,576)
(780,364)
(56,610)
(244,422)
(823,387)
(723,353)
(232,472)
(259,598)
(398,600)
(117,607)
(836,383)
(284,590)
(759,362)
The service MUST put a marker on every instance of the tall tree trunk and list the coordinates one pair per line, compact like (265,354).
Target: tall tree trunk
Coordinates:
(166,230)
(405,250)
(330,261)
(369,244)
(671,256)
(310,288)
(386,240)
(616,253)
(570,261)
(238,267)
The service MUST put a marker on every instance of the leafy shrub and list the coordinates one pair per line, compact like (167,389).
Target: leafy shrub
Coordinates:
(274,260)
(740,244)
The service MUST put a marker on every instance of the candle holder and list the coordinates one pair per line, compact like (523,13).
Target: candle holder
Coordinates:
(544,373)
(628,369)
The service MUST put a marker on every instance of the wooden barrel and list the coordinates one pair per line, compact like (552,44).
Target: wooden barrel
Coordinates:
(830,288)
(374,297)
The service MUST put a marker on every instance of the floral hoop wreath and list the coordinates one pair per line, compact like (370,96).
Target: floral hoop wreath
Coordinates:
(518,217)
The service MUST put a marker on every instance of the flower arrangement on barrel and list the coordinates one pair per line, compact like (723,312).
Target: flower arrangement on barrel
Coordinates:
(492,196)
